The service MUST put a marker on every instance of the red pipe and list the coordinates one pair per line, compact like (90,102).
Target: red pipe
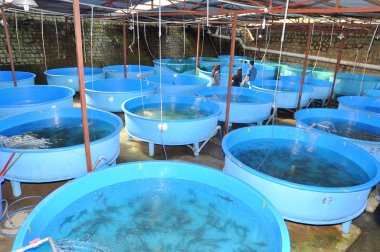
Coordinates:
(304,65)
(6,164)
(9,47)
(78,42)
(198,41)
(125,48)
(232,54)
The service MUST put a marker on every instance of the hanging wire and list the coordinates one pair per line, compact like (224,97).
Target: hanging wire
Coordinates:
(147,45)
(319,50)
(366,59)
(203,38)
(220,40)
(160,57)
(331,35)
(18,41)
(276,88)
(91,45)
(84,41)
(257,36)
(184,40)
(43,40)
(56,35)
(133,34)
(356,59)
(139,57)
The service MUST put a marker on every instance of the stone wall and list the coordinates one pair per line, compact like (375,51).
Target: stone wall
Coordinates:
(322,44)
(107,43)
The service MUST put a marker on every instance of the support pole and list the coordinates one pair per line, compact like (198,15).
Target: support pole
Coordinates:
(337,66)
(78,42)
(307,51)
(125,48)
(9,47)
(198,42)
(232,54)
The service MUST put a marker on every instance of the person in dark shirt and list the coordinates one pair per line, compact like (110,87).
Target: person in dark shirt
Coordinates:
(237,78)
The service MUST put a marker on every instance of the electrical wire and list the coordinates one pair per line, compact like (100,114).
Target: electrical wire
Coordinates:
(7,214)
(43,40)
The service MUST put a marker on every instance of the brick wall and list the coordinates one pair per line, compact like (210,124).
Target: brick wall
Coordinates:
(356,45)
(107,43)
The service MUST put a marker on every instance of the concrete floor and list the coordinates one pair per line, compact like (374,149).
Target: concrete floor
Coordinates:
(364,236)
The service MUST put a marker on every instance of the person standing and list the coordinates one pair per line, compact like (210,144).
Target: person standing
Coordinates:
(215,75)
(251,73)
(237,78)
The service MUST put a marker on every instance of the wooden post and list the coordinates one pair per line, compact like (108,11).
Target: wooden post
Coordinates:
(125,48)
(337,66)
(78,42)
(198,41)
(307,51)
(9,47)
(232,54)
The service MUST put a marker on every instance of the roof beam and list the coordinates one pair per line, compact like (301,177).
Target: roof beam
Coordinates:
(375,2)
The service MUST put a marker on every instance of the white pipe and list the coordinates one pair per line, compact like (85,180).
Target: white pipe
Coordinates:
(301,55)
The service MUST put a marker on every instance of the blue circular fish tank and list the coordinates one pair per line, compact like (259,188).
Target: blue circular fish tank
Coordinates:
(22,79)
(51,141)
(353,126)
(178,84)
(367,105)
(208,63)
(109,94)
(17,100)
(372,93)
(171,120)
(169,205)
(309,176)
(68,77)
(133,71)
(174,66)
(237,59)
(317,73)
(247,105)
(354,84)
(286,92)
(321,88)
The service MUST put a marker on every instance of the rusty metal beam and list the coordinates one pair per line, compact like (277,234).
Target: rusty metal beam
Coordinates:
(337,66)
(125,48)
(78,44)
(307,51)
(9,47)
(198,42)
(232,54)
(275,11)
